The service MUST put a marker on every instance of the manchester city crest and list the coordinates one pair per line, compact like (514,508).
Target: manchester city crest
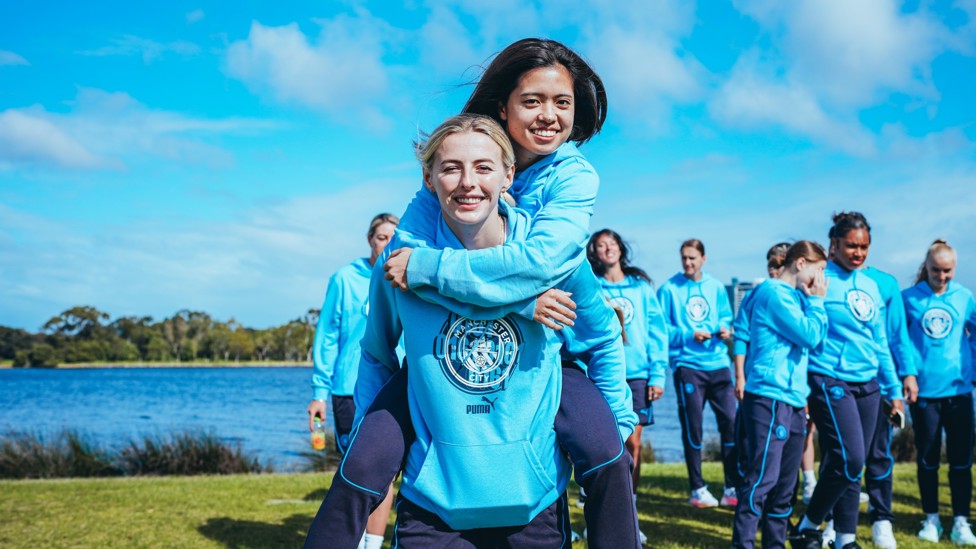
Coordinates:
(937,323)
(478,356)
(625,306)
(861,305)
(698,308)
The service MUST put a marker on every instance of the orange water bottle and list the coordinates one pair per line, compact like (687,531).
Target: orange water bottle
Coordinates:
(318,434)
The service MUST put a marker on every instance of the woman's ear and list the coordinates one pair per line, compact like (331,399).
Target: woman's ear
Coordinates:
(502,113)
(428,183)
(509,178)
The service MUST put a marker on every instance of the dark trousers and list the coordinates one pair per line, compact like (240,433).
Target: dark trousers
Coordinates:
(418,527)
(694,388)
(846,415)
(773,434)
(877,475)
(930,417)
(585,427)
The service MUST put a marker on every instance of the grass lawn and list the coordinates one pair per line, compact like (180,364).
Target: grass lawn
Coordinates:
(266,511)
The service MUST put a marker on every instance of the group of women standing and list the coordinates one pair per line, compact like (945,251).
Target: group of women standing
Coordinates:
(514,371)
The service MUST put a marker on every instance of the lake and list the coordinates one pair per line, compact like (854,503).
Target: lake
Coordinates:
(262,408)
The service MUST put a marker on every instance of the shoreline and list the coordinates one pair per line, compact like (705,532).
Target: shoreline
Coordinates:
(122,365)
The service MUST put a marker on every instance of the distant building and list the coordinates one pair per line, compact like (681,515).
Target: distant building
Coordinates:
(738,290)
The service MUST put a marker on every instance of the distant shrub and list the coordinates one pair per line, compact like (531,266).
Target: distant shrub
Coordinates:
(187,454)
(647,453)
(69,454)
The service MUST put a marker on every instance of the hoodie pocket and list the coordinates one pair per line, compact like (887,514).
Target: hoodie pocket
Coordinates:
(486,485)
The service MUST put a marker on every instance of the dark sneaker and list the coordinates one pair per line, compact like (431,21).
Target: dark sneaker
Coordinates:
(806,539)
(851,545)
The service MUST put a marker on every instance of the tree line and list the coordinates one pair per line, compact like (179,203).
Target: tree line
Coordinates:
(85,334)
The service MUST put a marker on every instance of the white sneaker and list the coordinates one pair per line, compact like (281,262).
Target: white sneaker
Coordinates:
(808,488)
(882,535)
(702,498)
(581,501)
(863,497)
(575,537)
(962,533)
(829,535)
(643,538)
(729,498)
(931,531)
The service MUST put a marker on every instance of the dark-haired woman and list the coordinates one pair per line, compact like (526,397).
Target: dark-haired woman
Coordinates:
(849,374)
(787,320)
(942,327)
(697,310)
(549,101)
(629,291)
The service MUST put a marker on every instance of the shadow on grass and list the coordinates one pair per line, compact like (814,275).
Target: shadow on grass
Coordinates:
(248,534)
(317,495)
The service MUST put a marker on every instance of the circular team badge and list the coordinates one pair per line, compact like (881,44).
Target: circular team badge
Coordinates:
(698,308)
(861,305)
(937,323)
(689,388)
(836,392)
(478,356)
(781,432)
(626,307)
(344,441)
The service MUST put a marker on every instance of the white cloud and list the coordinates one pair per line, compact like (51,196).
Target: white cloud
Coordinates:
(110,130)
(11,58)
(195,16)
(149,50)
(341,73)
(264,267)
(753,101)
(27,138)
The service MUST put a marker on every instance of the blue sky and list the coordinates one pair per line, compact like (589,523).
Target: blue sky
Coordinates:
(227,157)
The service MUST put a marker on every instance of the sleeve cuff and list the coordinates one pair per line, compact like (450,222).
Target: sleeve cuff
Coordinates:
(422,267)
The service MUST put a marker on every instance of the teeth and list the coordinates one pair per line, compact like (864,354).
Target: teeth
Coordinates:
(467,200)
(545,133)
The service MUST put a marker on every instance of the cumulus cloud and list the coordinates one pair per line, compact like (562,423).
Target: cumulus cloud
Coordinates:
(11,58)
(109,130)
(149,50)
(823,61)
(340,73)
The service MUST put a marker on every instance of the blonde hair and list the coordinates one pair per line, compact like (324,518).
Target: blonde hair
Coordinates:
(463,123)
(938,246)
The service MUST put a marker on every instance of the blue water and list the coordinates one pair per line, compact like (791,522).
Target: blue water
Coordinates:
(262,408)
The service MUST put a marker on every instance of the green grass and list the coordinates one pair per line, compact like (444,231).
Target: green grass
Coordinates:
(268,511)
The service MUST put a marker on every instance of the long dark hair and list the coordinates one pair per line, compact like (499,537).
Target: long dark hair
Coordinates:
(502,75)
(625,265)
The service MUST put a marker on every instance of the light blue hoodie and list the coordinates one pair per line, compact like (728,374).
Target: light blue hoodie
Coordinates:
(647,333)
(856,348)
(937,326)
(691,307)
(558,192)
(740,326)
(483,395)
(342,321)
(784,325)
(896,328)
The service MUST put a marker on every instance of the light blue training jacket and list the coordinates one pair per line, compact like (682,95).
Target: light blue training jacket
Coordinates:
(647,332)
(483,395)
(784,325)
(937,326)
(342,321)
(558,192)
(856,348)
(740,326)
(896,328)
(691,306)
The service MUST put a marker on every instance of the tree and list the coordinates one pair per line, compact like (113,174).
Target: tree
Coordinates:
(83,322)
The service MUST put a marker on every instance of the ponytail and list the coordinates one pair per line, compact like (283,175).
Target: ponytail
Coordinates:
(938,246)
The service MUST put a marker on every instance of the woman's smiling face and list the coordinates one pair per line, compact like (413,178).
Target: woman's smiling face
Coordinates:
(539,113)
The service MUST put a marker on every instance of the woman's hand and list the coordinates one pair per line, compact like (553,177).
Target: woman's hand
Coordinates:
(724,333)
(740,388)
(316,408)
(910,389)
(817,287)
(654,392)
(396,268)
(702,336)
(554,309)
